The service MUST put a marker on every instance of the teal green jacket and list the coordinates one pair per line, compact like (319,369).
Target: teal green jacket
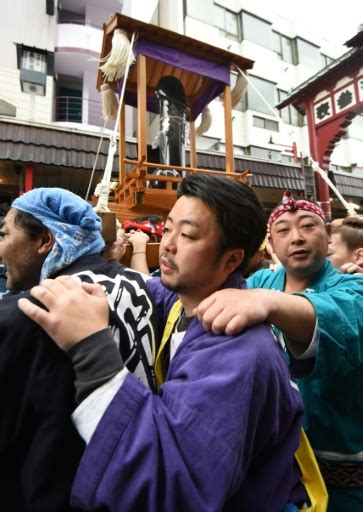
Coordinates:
(332,389)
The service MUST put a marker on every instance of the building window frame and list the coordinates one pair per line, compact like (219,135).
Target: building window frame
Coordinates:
(246,34)
(325,60)
(224,30)
(259,106)
(289,114)
(279,45)
(265,124)
(303,57)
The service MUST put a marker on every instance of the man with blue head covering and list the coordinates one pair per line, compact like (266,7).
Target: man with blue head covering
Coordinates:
(46,233)
(60,227)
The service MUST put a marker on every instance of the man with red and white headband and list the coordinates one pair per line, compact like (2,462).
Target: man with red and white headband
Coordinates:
(320,316)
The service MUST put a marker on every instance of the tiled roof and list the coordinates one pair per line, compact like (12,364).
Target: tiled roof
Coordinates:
(264,174)
(71,148)
(349,185)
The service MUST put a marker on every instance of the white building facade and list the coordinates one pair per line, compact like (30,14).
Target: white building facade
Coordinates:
(68,35)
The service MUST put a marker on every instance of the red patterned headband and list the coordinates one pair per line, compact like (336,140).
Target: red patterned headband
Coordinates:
(290,204)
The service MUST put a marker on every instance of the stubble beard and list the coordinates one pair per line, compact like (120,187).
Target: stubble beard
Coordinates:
(174,287)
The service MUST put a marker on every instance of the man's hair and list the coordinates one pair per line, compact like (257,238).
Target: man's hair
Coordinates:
(239,214)
(351,232)
(32,226)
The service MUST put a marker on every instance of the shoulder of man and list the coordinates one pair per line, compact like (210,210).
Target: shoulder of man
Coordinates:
(330,279)
(19,335)
(256,339)
(265,278)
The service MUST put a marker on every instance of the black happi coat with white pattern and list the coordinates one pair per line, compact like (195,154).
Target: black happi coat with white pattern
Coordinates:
(39,447)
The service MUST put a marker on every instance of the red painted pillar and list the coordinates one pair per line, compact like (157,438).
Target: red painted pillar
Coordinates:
(28,178)
(322,188)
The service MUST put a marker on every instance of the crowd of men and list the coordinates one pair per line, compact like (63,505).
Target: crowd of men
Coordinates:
(188,391)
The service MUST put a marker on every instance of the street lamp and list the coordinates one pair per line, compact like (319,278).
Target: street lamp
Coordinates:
(33,70)
(32,64)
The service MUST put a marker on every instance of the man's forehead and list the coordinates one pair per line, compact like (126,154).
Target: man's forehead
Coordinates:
(191,210)
(9,217)
(296,216)
(177,219)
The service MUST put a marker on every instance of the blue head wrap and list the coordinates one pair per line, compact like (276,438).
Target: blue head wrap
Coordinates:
(71,220)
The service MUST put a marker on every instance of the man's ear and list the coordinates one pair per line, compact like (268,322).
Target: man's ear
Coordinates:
(270,242)
(328,230)
(358,255)
(46,242)
(234,259)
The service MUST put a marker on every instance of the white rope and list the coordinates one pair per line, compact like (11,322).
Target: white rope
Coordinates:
(94,165)
(350,207)
(103,188)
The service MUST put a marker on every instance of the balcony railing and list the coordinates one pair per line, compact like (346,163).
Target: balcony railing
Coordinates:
(78,110)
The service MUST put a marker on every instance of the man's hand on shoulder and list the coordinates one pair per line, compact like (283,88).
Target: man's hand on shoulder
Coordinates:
(74,310)
(231,310)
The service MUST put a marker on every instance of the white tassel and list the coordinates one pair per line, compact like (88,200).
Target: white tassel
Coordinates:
(205,123)
(115,63)
(239,90)
(101,191)
(109,102)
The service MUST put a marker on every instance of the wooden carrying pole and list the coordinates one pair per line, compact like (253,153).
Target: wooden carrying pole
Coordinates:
(122,146)
(141,107)
(228,129)
(193,151)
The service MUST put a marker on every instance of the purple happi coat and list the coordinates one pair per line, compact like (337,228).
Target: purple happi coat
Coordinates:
(220,434)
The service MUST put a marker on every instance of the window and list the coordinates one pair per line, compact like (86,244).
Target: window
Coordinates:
(221,147)
(287,159)
(258,122)
(267,124)
(283,46)
(289,114)
(69,101)
(227,22)
(256,30)
(307,54)
(325,60)
(68,16)
(268,91)
(203,10)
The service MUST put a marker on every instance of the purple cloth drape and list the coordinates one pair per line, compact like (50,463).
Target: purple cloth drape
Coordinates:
(218,73)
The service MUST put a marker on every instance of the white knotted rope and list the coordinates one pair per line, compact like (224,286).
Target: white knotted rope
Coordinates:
(103,188)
